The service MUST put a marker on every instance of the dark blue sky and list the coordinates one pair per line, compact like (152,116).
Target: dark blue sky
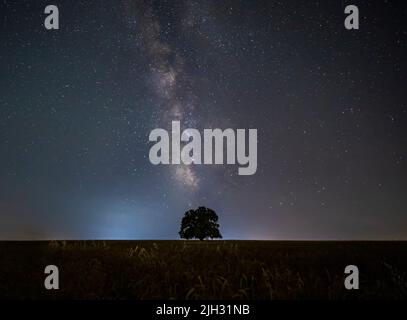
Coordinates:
(77,106)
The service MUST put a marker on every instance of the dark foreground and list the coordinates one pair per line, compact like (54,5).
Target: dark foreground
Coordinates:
(203,270)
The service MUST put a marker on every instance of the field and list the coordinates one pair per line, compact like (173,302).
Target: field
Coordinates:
(203,270)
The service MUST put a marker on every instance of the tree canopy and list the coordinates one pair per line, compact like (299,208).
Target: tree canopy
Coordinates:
(201,224)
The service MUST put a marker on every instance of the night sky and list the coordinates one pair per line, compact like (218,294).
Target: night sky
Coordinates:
(77,106)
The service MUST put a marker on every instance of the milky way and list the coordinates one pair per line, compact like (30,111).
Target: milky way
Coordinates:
(168,79)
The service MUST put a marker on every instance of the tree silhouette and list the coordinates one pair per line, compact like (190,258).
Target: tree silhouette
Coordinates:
(200,224)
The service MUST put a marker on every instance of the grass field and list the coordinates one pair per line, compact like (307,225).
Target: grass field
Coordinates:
(203,270)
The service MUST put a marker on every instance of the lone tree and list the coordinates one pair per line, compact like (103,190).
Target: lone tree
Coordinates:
(200,224)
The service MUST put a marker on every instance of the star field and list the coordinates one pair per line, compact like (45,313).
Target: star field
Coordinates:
(77,106)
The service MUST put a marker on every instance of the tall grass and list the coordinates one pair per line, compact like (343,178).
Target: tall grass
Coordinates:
(203,270)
